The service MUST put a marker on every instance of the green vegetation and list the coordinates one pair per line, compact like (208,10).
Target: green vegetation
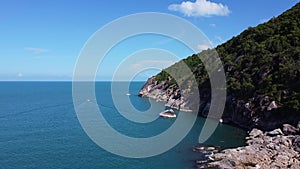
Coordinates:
(261,60)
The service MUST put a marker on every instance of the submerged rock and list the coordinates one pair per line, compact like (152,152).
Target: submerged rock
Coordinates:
(208,152)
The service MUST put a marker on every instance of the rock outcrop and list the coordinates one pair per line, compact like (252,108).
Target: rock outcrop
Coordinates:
(260,112)
(171,94)
(272,149)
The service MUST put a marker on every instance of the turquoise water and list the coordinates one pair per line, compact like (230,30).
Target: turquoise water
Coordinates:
(39,129)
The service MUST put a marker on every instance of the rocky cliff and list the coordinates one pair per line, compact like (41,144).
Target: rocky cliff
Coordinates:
(171,94)
(259,112)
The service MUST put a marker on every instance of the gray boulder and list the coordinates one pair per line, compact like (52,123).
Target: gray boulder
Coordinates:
(289,129)
(296,144)
(255,133)
(275,132)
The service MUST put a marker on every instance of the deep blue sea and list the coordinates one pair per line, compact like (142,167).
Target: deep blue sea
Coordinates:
(39,129)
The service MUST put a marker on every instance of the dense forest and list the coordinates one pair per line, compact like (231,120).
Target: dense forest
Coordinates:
(262,60)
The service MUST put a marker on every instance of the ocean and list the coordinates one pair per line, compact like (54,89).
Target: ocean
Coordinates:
(40,129)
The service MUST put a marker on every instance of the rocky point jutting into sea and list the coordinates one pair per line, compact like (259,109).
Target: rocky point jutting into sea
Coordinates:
(262,68)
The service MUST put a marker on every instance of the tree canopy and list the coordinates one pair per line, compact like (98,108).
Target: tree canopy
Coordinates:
(262,60)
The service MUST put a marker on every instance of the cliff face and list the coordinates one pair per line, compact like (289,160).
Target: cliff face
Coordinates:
(174,97)
(260,112)
(262,67)
(163,92)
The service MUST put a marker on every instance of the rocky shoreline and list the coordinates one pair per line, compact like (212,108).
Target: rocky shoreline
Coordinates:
(164,92)
(279,148)
(260,112)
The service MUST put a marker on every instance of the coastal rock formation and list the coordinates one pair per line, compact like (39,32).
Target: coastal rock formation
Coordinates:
(289,129)
(264,150)
(260,111)
(171,94)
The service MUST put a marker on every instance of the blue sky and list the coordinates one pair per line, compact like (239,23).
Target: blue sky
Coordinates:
(41,39)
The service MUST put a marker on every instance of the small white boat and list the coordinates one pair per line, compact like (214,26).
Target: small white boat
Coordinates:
(168,114)
(128,94)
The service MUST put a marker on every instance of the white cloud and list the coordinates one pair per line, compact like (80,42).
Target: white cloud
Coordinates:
(20,74)
(36,50)
(154,63)
(200,8)
(263,20)
(203,47)
(220,39)
(212,25)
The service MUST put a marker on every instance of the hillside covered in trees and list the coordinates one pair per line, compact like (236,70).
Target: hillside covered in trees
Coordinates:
(262,67)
